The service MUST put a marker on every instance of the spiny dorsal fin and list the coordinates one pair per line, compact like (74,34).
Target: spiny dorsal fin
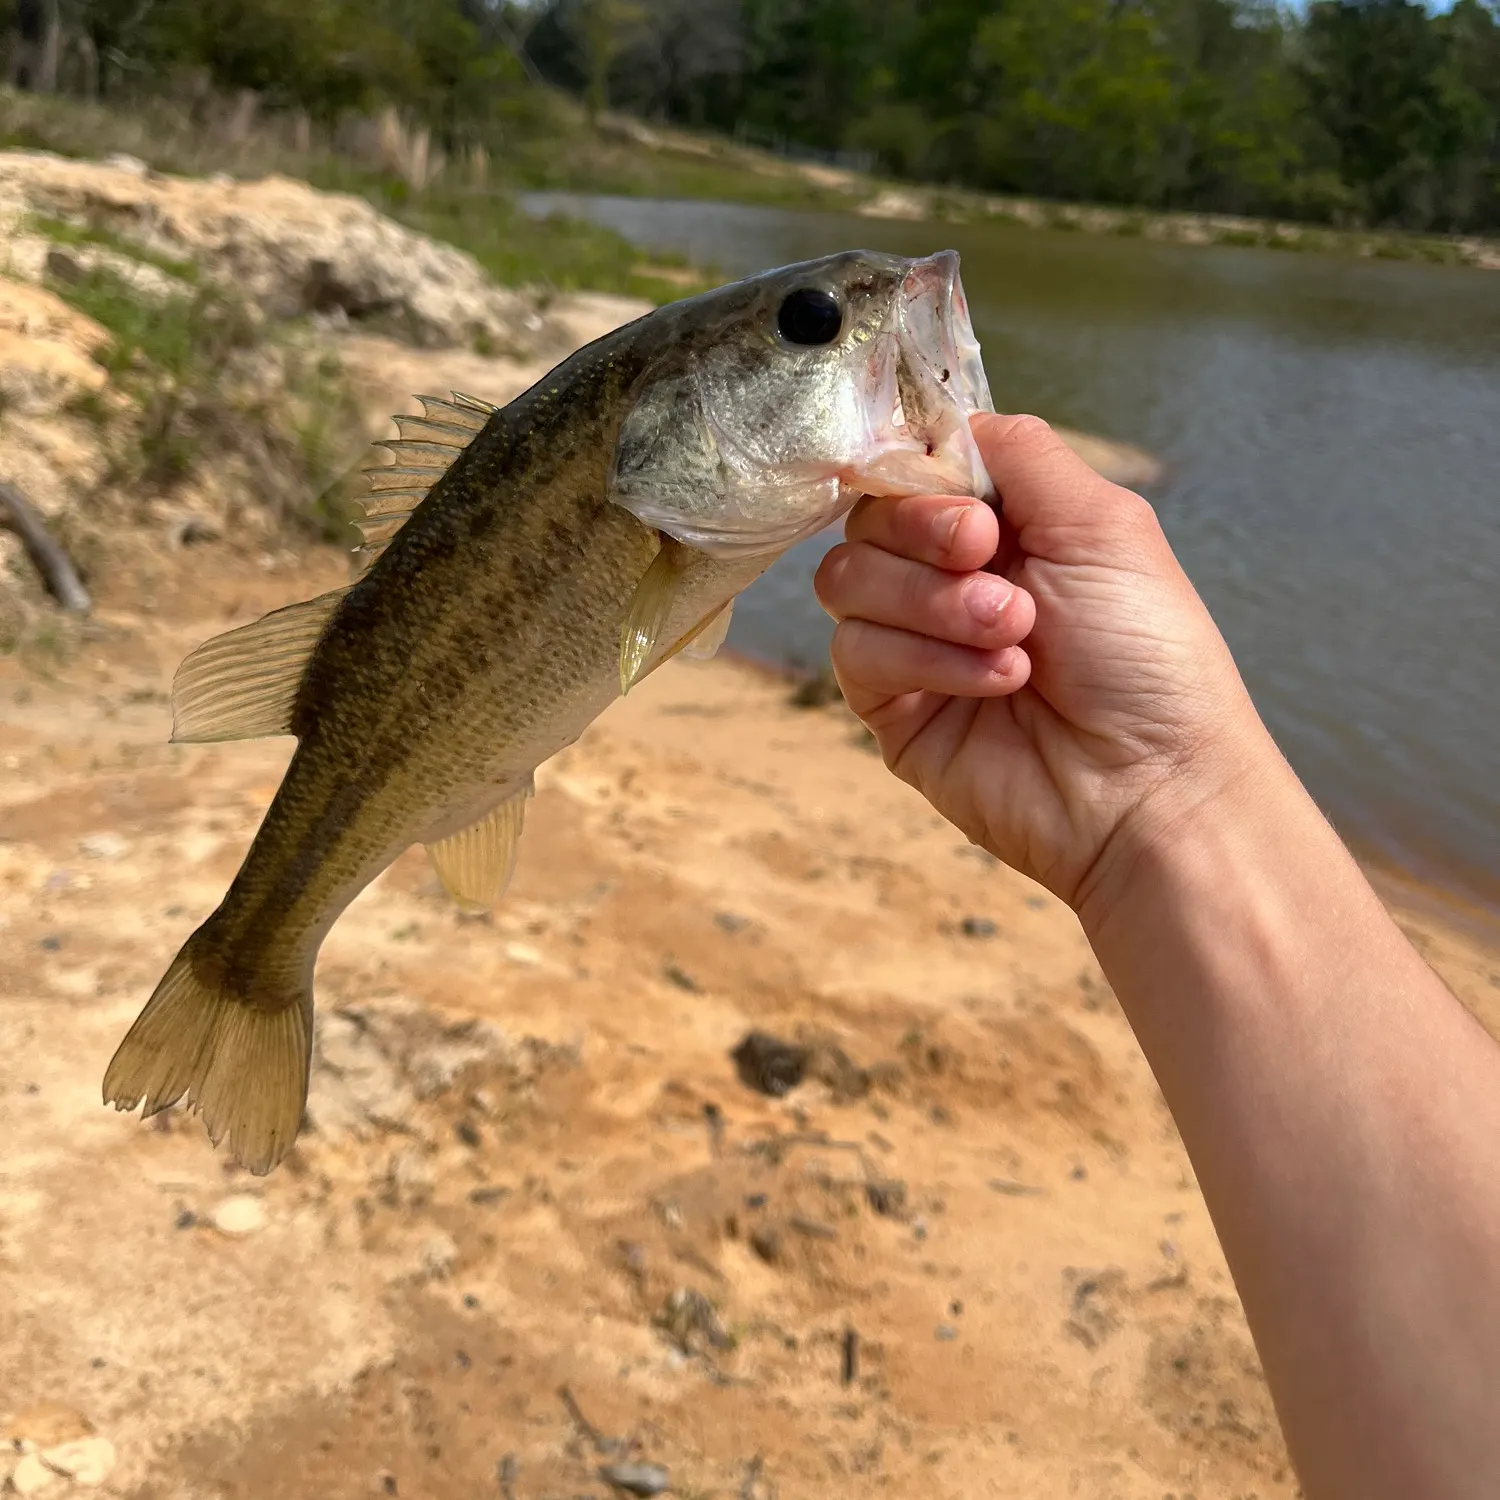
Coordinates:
(424,452)
(241,685)
(476,863)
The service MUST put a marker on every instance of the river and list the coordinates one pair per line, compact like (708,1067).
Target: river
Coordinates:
(1331,435)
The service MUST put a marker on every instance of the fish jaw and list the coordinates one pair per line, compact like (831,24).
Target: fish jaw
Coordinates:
(927,380)
(747,447)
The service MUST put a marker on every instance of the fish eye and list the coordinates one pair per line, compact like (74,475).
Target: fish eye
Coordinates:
(810,316)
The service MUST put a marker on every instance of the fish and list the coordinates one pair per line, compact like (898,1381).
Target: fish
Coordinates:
(521,568)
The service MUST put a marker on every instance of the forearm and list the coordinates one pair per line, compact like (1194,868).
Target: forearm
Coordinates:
(1342,1112)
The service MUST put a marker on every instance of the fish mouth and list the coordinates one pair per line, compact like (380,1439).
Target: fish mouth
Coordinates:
(928,379)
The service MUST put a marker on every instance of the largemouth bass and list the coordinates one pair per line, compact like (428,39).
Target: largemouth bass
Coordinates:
(522,567)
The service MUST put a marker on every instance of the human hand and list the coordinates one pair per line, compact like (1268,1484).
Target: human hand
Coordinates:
(1120,714)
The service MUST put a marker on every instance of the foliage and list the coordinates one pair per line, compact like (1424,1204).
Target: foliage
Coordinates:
(1360,112)
(1352,112)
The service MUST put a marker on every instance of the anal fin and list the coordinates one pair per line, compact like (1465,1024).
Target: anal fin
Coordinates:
(242,685)
(476,863)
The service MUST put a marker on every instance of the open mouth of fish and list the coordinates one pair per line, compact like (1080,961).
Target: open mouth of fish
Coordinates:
(927,379)
(797,441)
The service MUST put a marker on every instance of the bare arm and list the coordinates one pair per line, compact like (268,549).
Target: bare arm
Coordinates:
(1342,1112)
(1341,1108)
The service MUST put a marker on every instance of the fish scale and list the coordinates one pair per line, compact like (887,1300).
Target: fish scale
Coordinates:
(522,567)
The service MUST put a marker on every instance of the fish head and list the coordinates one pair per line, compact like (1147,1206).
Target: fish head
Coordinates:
(774,403)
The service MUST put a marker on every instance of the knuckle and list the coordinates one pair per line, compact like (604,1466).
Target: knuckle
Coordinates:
(829,574)
(1032,432)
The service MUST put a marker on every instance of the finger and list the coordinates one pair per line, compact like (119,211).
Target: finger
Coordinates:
(960,535)
(859,581)
(1045,485)
(876,663)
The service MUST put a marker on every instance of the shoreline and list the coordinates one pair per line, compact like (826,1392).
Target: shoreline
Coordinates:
(757,177)
(1470,902)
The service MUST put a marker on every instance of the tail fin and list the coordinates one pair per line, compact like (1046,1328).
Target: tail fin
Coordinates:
(242,1066)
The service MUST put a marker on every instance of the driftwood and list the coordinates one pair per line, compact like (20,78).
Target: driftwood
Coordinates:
(51,561)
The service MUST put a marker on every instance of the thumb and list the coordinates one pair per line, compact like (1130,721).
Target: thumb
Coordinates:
(1049,494)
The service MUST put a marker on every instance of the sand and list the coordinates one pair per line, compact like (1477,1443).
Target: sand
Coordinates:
(964,1257)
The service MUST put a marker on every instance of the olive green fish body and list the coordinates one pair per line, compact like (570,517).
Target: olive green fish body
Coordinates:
(529,564)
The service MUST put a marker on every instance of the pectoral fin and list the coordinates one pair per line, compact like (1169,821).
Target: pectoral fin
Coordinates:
(705,641)
(649,611)
(476,863)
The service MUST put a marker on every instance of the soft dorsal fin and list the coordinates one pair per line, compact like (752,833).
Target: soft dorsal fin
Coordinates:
(476,863)
(423,453)
(241,685)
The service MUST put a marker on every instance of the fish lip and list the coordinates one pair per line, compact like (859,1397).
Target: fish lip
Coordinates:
(938,373)
(935,280)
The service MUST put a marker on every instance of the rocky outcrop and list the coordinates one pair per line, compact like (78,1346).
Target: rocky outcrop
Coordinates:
(289,248)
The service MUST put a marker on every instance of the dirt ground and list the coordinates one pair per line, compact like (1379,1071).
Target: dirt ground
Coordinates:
(540,1223)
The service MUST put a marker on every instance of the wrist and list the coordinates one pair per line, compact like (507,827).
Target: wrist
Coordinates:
(1215,814)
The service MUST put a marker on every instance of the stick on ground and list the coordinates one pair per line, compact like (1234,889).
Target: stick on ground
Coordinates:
(51,561)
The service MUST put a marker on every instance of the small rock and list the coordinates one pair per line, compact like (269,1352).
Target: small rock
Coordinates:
(187,531)
(727,921)
(63,266)
(682,979)
(103,846)
(524,954)
(468,1132)
(636,1479)
(439,1255)
(765,1241)
(978,927)
(239,1216)
(690,1320)
(946,1333)
(769,1065)
(887,1198)
(52,943)
(813,1229)
(33,1477)
(86,1462)
(122,161)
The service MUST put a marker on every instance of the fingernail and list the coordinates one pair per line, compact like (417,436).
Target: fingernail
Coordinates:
(985,598)
(945,528)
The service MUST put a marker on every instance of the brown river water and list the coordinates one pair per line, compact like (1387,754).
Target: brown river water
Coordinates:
(1331,435)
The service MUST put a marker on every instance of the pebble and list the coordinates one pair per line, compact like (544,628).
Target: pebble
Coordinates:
(682,979)
(103,846)
(241,1215)
(946,1333)
(768,1065)
(978,927)
(439,1256)
(637,1479)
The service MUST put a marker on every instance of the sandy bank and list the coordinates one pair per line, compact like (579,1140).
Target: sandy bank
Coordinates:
(532,1150)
